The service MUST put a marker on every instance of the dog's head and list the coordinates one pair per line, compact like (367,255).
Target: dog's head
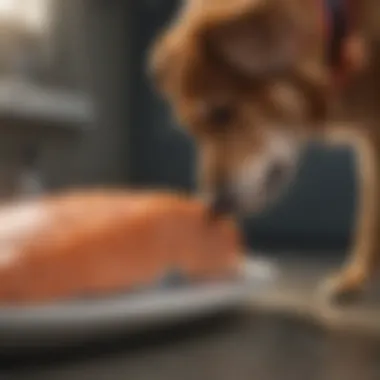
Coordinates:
(247,79)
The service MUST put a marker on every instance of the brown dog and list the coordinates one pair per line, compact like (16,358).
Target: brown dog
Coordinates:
(252,80)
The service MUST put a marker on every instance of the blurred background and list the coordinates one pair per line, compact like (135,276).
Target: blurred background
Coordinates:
(77,109)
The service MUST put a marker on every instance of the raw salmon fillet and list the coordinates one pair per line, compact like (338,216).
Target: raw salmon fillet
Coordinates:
(102,242)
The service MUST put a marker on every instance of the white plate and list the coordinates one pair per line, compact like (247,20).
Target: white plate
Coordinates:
(75,321)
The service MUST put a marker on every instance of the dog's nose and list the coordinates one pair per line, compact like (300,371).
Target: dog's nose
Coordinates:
(222,202)
(275,175)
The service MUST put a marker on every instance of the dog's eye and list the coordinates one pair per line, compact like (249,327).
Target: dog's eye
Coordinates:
(221,116)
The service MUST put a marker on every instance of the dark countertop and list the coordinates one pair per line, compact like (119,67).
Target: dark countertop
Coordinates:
(296,294)
(285,333)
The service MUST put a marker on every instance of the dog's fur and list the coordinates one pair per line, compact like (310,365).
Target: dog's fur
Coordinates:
(249,80)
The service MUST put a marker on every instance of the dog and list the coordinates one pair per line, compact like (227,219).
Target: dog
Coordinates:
(253,81)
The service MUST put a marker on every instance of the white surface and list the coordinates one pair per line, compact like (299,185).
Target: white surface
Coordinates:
(72,322)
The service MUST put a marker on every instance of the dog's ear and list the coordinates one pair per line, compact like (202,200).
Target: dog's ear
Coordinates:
(171,48)
(261,37)
(163,60)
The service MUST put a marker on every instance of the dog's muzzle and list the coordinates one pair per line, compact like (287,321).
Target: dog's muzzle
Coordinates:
(226,201)
(222,202)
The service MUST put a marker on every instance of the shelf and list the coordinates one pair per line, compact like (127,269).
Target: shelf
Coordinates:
(35,109)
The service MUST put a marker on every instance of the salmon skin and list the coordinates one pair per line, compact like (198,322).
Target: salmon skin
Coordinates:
(96,243)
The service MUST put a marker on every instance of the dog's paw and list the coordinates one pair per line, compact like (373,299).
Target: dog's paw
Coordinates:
(342,288)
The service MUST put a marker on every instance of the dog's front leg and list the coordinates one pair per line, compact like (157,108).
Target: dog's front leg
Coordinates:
(361,264)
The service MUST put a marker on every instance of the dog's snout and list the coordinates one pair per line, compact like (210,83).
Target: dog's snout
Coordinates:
(222,202)
(275,175)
